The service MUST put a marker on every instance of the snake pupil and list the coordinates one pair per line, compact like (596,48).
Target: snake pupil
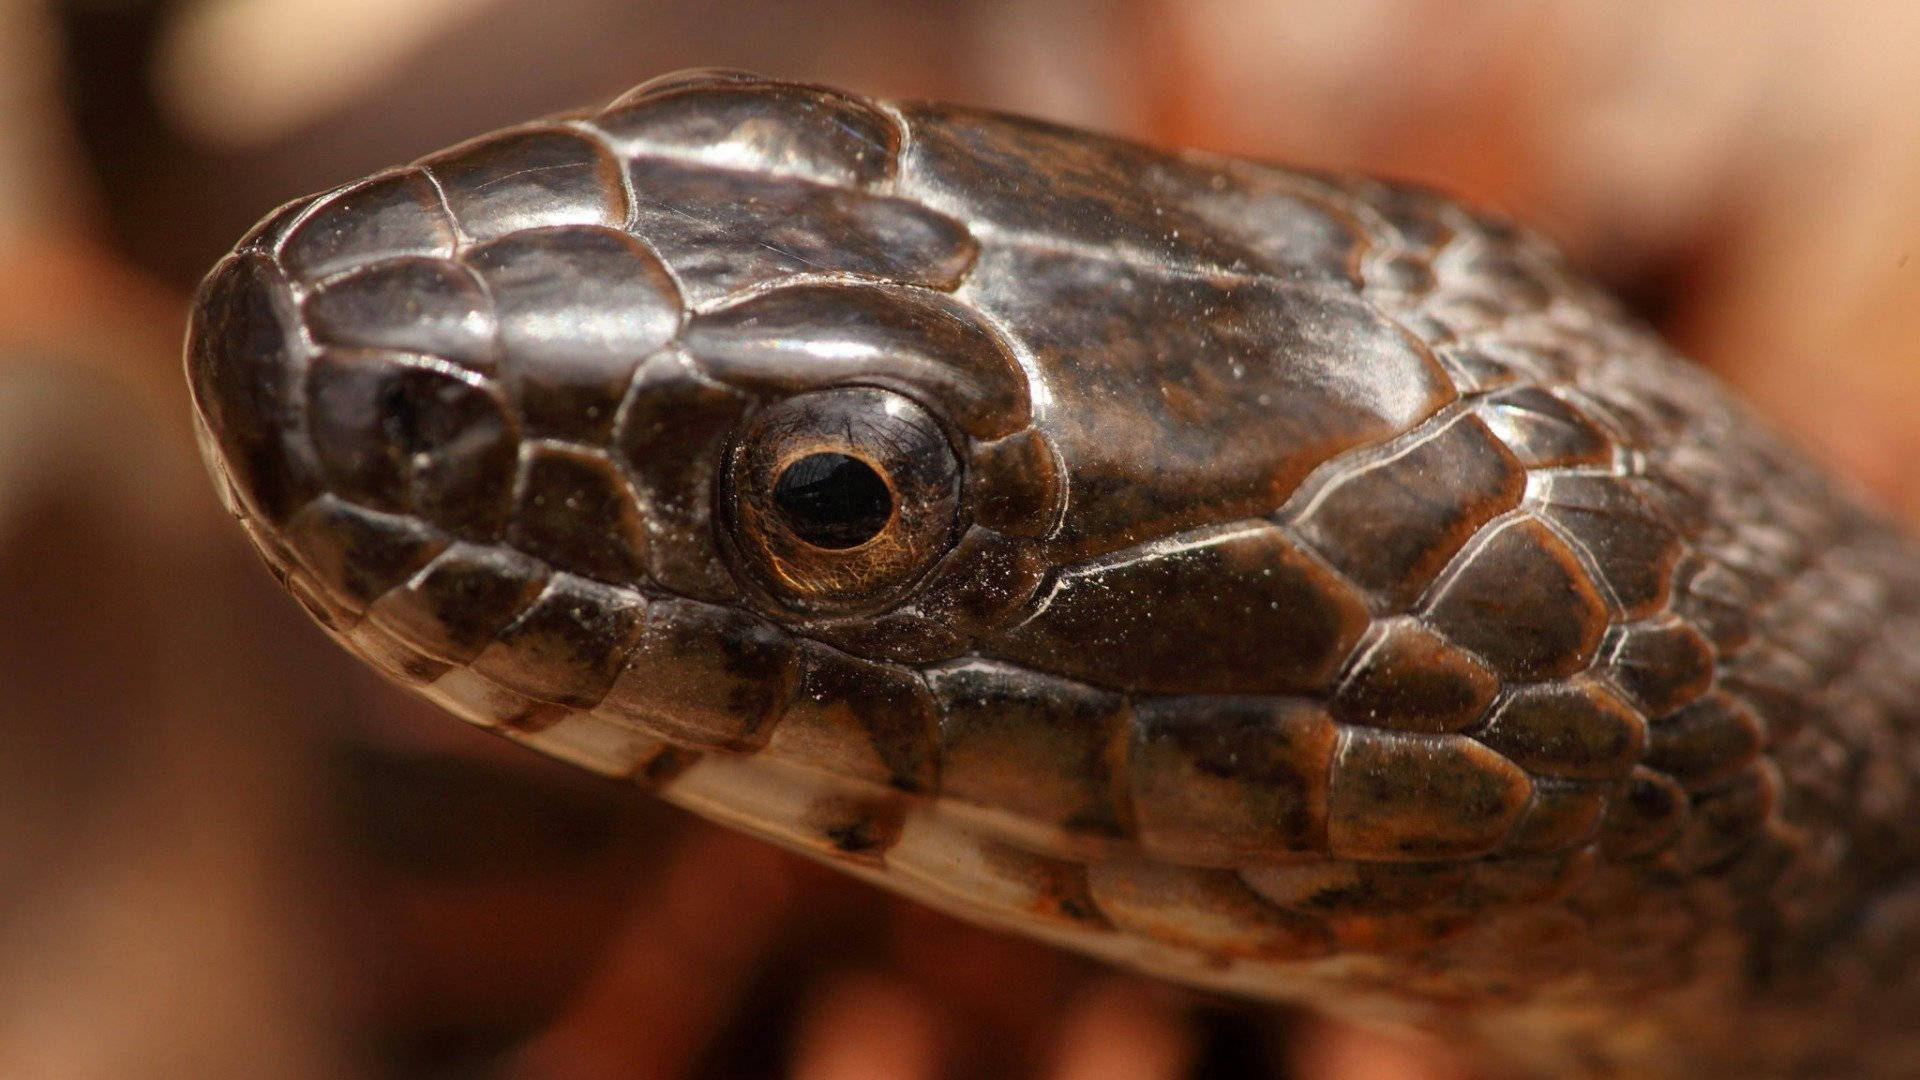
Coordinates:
(833,501)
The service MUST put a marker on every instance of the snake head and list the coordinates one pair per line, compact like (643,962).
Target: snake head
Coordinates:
(897,441)
(649,411)
(1208,565)
(897,481)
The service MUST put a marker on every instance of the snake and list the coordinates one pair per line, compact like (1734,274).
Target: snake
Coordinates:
(1283,582)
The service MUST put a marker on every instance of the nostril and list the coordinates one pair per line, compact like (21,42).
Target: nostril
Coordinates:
(406,434)
(400,410)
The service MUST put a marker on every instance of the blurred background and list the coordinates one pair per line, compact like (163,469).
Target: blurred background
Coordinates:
(226,851)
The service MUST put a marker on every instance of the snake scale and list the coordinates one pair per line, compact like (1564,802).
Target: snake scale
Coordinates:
(1288,583)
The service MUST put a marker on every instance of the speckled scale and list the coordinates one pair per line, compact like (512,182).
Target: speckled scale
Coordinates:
(1224,782)
(1250,205)
(568,645)
(1559,815)
(1396,796)
(1658,664)
(457,604)
(356,554)
(1017,485)
(704,676)
(1706,741)
(560,486)
(964,161)
(1575,728)
(725,233)
(1544,431)
(1406,677)
(665,445)
(985,578)
(246,384)
(1632,549)
(790,340)
(1197,362)
(1069,745)
(869,721)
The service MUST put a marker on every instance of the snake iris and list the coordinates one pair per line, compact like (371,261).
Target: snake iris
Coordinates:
(1287,583)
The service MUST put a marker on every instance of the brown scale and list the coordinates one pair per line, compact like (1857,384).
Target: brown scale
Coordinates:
(559,485)
(1390,525)
(579,308)
(1658,664)
(1520,598)
(872,722)
(1406,677)
(1576,729)
(529,179)
(704,676)
(1297,619)
(449,314)
(356,554)
(567,647)
(669,463)
(383,218)
(826,137)
(459,603)
(1066,743)
(1225,782)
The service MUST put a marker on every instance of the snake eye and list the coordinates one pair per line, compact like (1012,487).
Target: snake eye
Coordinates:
(838,498)
(833,501)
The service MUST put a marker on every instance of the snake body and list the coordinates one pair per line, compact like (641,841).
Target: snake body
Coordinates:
(1288,583)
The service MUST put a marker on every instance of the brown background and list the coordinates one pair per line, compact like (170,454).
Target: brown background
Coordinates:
(226,851)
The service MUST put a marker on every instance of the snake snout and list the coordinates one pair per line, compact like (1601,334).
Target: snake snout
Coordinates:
(428,438)
(244,372)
